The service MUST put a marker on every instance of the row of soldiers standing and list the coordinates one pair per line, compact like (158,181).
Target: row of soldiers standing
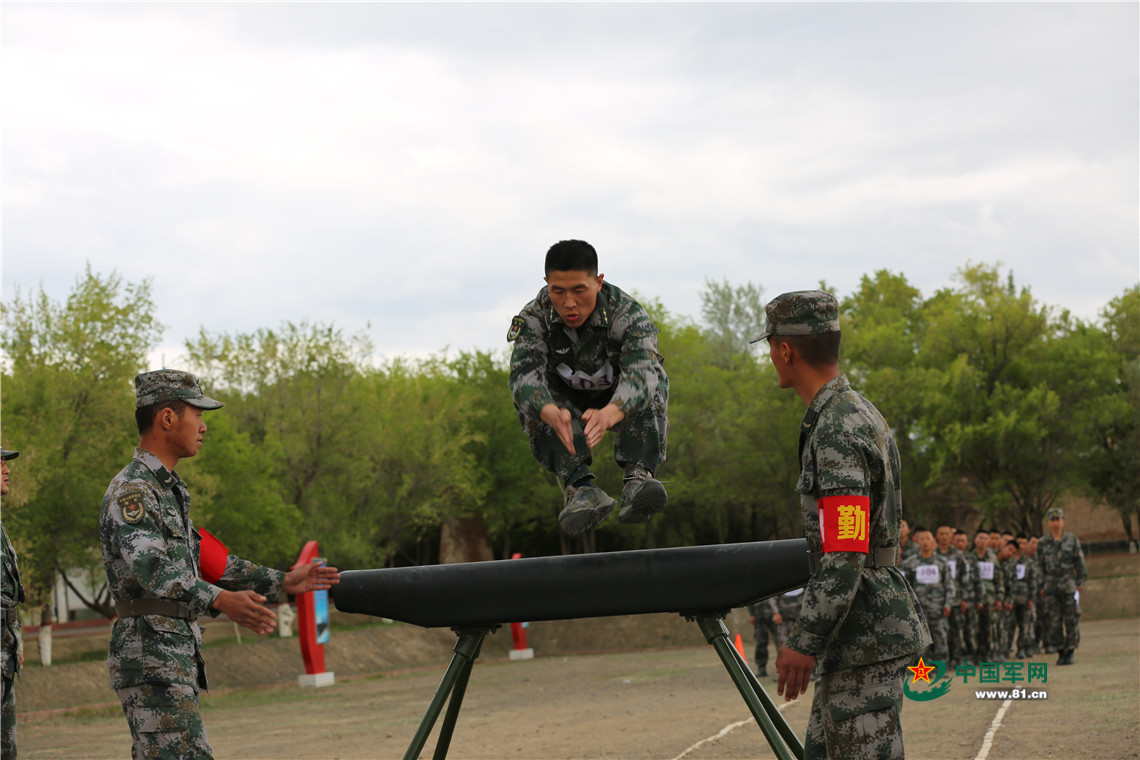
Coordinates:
(1006,596)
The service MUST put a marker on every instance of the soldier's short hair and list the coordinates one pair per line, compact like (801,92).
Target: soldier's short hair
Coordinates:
(817,350)
(145,416)
(572,256)
(959,531)
(919,529)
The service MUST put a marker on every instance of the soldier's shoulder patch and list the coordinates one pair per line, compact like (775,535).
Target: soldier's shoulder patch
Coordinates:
(516,327)
(133,506)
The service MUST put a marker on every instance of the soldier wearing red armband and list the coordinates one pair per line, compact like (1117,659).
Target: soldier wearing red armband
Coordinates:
(859,619)
(164,574)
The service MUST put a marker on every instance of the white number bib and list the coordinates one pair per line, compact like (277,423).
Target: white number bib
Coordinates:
(579,380)
(987,570)
(927,574)
(1021,572)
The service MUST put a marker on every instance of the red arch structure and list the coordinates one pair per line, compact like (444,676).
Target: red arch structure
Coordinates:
(473,599)
(311,652)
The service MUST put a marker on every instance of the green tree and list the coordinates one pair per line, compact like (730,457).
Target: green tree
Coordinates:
(733,316)
(883,326)
(374,459)
(68,408)
(235,494)
(521,500)
(1007,414)
(299,395)
(1114,460)
(732,453)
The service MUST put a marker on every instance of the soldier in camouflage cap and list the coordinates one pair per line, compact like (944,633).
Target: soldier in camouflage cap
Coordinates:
(859,620)
(584,361)
(151,553)
(1063,577)
(11,595)
(803,312)
(170,385)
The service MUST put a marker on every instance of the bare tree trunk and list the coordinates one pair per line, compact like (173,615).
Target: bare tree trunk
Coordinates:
(464,539)
(46,619)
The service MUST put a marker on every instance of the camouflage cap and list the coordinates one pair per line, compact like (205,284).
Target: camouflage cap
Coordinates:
(6,455)
(1055,512)
(169,385)
(801,312)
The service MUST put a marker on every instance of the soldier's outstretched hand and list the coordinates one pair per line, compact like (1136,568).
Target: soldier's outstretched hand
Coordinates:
(310,577)
(245,608)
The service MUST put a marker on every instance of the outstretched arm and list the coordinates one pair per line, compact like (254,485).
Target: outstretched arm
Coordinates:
(310,577)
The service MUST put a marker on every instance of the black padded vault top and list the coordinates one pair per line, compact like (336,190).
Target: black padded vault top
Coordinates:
(684,579)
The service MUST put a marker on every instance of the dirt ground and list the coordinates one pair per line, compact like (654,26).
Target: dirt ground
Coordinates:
(661,703)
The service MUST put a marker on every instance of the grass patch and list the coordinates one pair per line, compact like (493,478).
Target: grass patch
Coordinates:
(243,698)
(91,655)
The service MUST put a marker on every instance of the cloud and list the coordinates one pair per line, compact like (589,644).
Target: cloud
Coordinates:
(406,165)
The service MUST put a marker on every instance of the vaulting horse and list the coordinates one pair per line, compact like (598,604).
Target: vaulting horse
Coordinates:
(702,583)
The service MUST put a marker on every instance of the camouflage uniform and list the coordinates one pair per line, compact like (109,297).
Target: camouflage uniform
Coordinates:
(611,358)
(788,605)
(859,617)
(1042,642)
(1065,570)
(955,624)
(909,549)
(763,629)
(1008,568)
(1024,591)
(969,586)
(11,594)
(930,578)
(989,587)
(151,555)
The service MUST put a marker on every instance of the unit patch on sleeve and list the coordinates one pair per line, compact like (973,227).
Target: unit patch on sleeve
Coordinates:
(133,507)
(843,523)
(516,327)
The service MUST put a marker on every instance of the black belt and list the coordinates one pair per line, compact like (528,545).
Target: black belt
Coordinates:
(165,607)
(884,556)
(11,617)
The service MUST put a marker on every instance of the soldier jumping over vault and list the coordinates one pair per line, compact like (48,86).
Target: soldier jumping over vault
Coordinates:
(585,360)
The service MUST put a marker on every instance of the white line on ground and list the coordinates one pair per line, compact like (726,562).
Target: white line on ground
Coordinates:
(988,742)
(726,731)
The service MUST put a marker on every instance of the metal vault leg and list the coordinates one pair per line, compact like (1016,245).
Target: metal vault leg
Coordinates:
(454,684)
(776,730)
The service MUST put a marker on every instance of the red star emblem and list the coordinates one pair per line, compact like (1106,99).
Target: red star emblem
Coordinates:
(921,671)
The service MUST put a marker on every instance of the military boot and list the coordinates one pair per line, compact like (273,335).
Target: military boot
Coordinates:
(586,506)
(642,496)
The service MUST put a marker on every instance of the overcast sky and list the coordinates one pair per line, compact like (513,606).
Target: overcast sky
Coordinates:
(408,165)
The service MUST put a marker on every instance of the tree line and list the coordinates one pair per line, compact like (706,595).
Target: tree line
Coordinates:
(1000,404)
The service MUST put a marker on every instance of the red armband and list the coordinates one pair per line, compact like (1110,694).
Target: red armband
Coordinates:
(843,523)
(212,557)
